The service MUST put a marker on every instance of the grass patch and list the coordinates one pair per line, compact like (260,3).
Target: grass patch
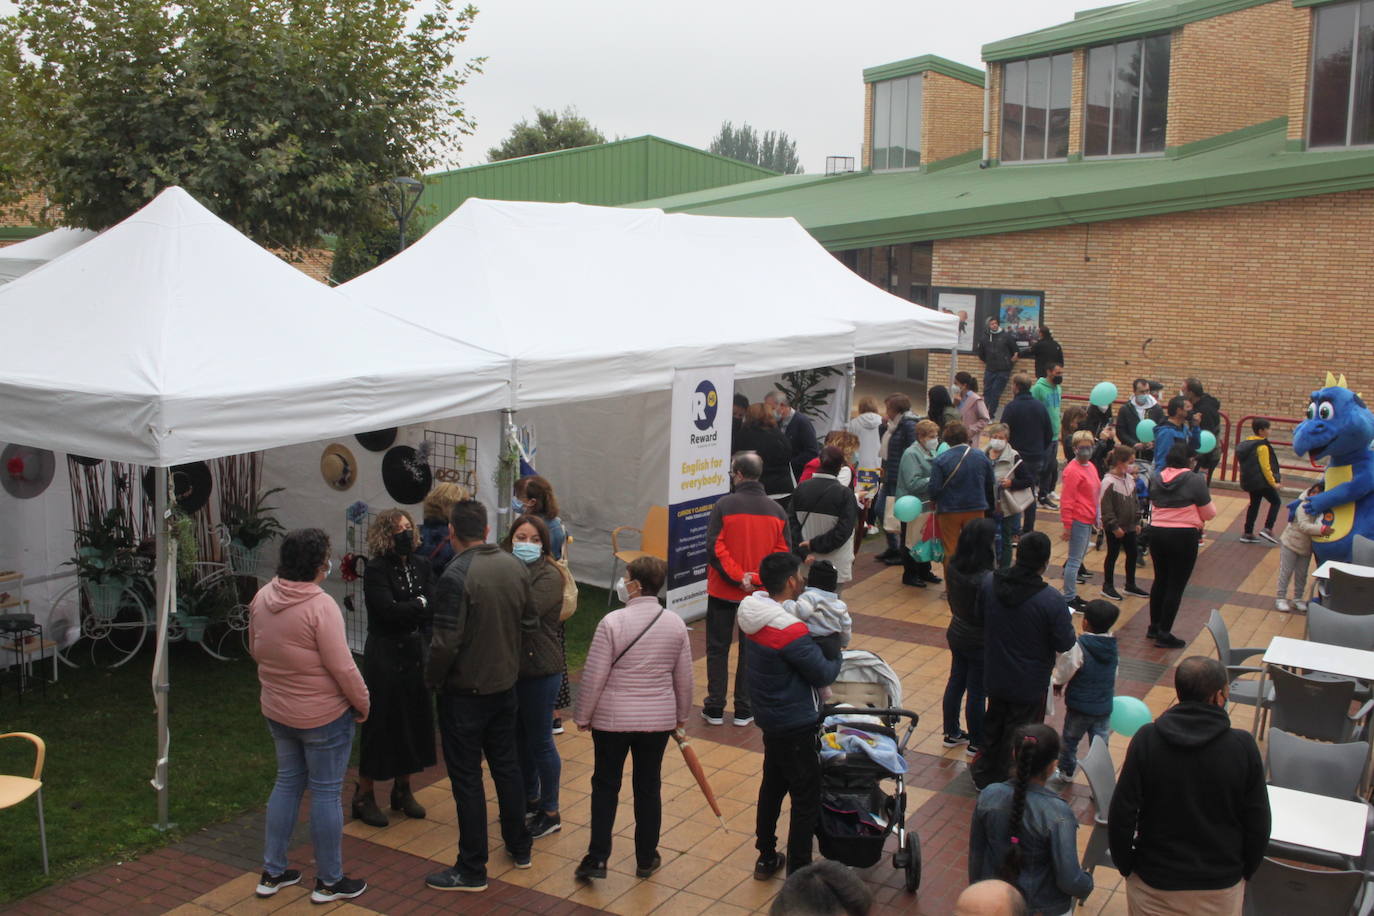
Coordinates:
(579,628)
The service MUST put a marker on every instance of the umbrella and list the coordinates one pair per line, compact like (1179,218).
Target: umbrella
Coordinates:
(693,764)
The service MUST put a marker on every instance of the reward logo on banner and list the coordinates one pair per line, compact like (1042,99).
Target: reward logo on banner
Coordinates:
(698,475)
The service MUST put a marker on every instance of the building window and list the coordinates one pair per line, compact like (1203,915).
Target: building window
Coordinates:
(1342,104)
(1126,94)
(897,123)
(1035,108)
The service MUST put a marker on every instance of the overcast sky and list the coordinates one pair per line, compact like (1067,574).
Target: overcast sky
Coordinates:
(678,69)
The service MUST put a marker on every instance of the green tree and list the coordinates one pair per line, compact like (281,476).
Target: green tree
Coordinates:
(282,116)
(771,149)
(550,131)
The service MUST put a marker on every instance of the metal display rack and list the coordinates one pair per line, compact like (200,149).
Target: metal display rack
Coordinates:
(453,458)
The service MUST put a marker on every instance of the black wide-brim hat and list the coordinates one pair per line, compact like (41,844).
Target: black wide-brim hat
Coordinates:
(25,472)
(378,440)
(407,479)
(191,485)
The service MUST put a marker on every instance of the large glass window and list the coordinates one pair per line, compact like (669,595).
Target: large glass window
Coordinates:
(1126,97)
(1035,108)
(897,123)
(1342,104)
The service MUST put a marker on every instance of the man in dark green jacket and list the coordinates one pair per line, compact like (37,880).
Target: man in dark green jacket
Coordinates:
(481,605)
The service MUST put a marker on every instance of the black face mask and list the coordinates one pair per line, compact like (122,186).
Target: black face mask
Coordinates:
(404,542)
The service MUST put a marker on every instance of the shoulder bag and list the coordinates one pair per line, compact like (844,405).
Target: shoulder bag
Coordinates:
(622,652)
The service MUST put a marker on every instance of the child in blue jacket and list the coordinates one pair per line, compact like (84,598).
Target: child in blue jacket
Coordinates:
(1088,695)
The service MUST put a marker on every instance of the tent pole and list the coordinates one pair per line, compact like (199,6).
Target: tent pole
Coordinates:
(165,576)
(509,471)
(850,378)
(953,364)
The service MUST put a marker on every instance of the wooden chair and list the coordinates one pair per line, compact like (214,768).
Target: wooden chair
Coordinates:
(14,789)
(653,542)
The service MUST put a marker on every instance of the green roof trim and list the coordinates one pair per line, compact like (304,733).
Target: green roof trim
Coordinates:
(20,233)
(940,165)
(886,208)
(1220,140)
(931,63)
(1130,20)
(1299,4)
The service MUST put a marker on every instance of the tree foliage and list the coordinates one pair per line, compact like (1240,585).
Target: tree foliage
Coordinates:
(282,116)
(771,149)
(550,131)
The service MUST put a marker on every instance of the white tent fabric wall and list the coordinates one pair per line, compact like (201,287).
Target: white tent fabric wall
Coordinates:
(19,259)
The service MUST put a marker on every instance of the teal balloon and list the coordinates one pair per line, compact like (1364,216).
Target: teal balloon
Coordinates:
(907,508)
(1145,430)
(1206,442)
(1103,394)
(1128,714)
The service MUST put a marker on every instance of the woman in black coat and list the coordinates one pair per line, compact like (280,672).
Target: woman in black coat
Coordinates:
(398,736)
(760,434)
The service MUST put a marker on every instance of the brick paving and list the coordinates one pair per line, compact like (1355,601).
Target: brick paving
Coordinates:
(706,868)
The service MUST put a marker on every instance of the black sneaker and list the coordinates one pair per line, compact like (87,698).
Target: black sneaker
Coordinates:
(1077,603)
(769,865)
(1084,574)
(345,888)
(451,879)
(269,885)
(1151,632)
(1249,539)
(1109,591)
(521,859)
(558,726)
(590,868)
(1136,591)
(645,871)
(713,716)
(973,750)
(913,580)
(1169,641)
(931,578)
(543,824)
(956,739)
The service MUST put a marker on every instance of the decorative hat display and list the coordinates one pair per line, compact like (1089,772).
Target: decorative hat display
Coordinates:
(191,485)
(378,440)
(26,472)
(338,467)
(407,478)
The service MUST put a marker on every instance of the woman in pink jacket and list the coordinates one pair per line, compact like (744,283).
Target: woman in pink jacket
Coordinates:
(312,694)
(636,688)
(1078,508)
(973,410)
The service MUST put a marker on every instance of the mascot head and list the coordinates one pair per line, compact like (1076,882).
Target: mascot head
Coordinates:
(1338,424)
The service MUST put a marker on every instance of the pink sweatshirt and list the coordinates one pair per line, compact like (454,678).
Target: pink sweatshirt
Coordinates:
(1078,496)
(296,635)
(650,688)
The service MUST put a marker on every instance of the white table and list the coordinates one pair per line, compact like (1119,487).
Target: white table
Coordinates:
(1287,652)
(1317,822)
(1355,569)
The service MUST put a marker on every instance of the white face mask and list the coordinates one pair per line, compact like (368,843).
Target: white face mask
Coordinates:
(997,444)
(929,444)
(622,591)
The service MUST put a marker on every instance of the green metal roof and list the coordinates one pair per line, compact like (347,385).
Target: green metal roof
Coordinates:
(608,174)
(926,62)
(1113,23)
(862,209)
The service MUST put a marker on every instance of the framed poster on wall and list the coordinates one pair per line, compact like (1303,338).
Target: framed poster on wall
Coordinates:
(962,303)
(1020,311)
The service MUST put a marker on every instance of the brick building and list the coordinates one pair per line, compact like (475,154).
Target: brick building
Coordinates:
(1186,187)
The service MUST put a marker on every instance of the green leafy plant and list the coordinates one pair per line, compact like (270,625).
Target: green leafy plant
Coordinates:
(253,525)
(106,552)
(803,391)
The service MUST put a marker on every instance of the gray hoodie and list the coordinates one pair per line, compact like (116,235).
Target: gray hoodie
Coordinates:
(865,426)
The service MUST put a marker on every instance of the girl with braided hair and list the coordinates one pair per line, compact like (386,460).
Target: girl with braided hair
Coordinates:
(1025,834)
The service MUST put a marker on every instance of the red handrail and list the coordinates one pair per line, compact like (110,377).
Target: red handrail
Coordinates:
(1223,440)
(1234,467)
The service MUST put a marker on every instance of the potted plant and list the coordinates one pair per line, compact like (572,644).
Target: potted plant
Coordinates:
(250,527)
(106,561)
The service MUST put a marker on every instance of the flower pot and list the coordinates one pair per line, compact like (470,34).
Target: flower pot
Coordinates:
(105,598)
(243,561)
(194,626)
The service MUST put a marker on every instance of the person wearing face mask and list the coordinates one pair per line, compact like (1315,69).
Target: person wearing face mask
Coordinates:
(972,410)
(913,479)
(1079,511)
(535,495)
(1140,406)
(398,740)
(541,670)
(1048,391)
(1015,490)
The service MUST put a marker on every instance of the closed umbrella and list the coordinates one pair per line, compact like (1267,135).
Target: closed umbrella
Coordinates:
(693,764)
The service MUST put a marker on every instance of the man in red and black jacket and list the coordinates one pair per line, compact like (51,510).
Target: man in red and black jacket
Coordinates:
(745,527)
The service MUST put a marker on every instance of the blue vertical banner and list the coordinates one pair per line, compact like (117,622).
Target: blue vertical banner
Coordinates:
(698,475)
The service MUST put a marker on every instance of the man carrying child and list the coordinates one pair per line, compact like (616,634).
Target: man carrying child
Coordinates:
(1088,694)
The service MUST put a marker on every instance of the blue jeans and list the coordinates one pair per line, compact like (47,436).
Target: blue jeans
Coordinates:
(318,756)
(1008,527)
(994,383)
(1076,725)
(539,761)
(1079,536)
(965,680)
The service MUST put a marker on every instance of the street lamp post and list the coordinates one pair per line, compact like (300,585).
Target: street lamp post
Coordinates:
(408,191)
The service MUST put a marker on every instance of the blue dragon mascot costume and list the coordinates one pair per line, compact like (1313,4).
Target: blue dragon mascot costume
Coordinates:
(1338,430)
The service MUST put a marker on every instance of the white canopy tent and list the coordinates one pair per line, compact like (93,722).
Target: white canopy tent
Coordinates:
(171,338)
(17,260)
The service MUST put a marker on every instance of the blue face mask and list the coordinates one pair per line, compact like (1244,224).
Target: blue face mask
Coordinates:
(527,551)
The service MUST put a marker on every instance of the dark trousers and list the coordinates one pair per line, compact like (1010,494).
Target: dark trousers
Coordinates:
(1028,515)
(1252,512)
(966,683)
(610,749)
(720,632)
(1115,545)
(994,383)
(471,726)
(1174,551)
(1049,471)
(791,766)
(1002,719)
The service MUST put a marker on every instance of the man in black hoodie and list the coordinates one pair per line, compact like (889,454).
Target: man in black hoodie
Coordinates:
(1025,624)
(1189,820)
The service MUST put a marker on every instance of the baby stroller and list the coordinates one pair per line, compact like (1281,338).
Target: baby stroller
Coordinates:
(1143,470)
(860,749)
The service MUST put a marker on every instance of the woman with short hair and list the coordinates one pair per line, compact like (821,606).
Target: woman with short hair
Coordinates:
(435,548)
(760,434)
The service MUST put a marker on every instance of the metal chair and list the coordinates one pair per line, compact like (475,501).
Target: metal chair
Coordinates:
(1101,773)
(1335,770)
(1282,890)
(14,789)
(1335,628)
(1362,550)
(1347,593)
(1316,708)
(653,542)
(1244,691)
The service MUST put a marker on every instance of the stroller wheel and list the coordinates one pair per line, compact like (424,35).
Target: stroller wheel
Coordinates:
(913,861)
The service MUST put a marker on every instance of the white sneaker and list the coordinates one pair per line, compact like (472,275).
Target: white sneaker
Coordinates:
(1300,605)
(1283,605)
(1058,782)
(742,721)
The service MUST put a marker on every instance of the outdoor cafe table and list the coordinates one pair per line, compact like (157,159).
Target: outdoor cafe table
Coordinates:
(1312,656)
(1317,821)
(1355,569)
